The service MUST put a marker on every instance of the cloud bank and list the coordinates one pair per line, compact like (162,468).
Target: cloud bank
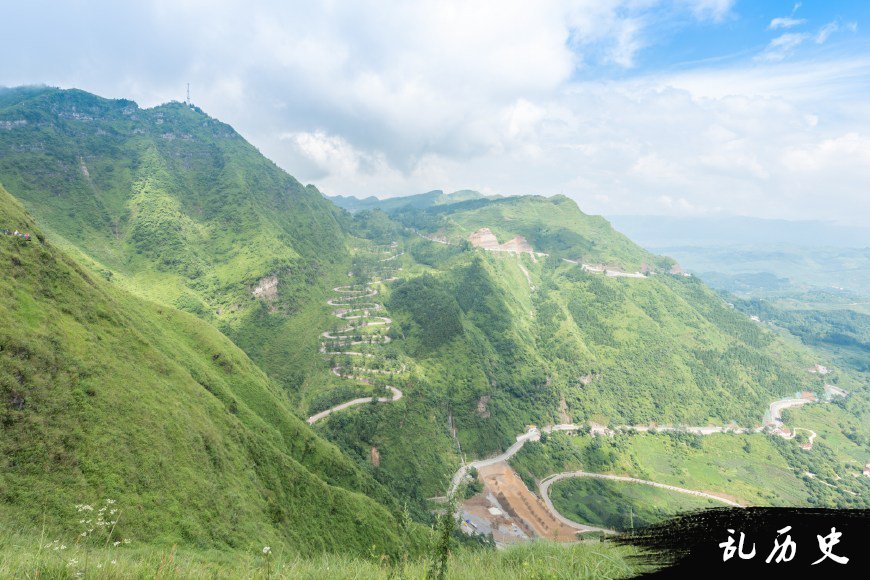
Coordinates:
(391,98)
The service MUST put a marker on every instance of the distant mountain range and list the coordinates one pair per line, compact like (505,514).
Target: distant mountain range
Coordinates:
(754,255)
(418,201)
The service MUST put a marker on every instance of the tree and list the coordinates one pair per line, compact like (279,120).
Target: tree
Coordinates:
(445,525)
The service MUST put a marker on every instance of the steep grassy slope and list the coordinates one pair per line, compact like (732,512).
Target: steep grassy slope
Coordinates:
(177,207)
(103,395)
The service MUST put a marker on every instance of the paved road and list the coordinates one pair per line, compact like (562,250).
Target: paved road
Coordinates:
(530,435)
(397,394)
(534,434)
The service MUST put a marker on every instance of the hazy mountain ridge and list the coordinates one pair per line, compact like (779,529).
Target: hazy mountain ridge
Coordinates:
(418,201)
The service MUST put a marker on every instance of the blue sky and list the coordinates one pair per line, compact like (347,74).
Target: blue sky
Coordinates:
(746,32)
(678,107)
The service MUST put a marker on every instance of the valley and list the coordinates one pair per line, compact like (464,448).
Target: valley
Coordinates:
(320,378)
(771,423)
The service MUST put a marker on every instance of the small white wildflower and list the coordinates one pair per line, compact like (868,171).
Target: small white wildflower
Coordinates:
(267,550)
(73,562)
(126,541)
(83,534)
(114,561)
(116,544)
(63,546)
(113,512)
(110,501)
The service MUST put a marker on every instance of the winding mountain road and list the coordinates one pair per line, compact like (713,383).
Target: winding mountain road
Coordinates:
(397,394)
(544,486)
(347,305)
(771,419)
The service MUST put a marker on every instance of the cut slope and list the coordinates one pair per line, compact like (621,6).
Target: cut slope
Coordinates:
(551,225)
(104,395)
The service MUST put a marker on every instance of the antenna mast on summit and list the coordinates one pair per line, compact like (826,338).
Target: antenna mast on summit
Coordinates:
(188,94)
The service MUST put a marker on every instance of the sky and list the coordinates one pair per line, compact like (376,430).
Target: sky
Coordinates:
(681,107)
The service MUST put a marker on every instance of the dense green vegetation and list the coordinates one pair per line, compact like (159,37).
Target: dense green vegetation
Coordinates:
(177,207)
(845,333)
(498,342)
(103,395)
(751,469)
(418,201)
(201,440)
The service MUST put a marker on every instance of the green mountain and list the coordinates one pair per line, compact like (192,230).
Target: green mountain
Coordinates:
(498,340)
(105,395)
(178,208)
(551,225)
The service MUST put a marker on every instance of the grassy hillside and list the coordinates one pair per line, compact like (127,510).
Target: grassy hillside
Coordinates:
(103,395)
(497,342)
(553,225)
(177,207)
(620,505)
(753,469)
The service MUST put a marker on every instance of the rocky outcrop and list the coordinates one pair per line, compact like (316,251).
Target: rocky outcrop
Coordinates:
(484,238)
(266,288)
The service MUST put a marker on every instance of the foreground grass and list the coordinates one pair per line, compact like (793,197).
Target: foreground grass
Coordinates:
(23,558)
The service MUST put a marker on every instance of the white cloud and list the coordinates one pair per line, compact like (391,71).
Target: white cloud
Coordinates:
(831,27)
(402,97)
(826,31)
(715,10)
(845,152)
(783,46)
(785,22)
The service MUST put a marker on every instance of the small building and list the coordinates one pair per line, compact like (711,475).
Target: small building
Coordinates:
(806,446)
(867,470)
